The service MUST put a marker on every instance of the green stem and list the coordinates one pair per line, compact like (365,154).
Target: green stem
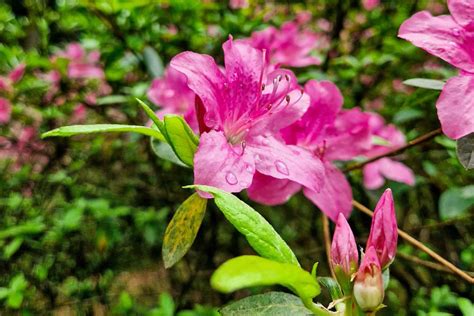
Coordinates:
(315,309)
(348,307)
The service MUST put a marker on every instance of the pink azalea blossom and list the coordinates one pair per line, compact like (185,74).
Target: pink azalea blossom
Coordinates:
(5,110)
(173,96)
(238,4)
(288,46)
(6,83)
(344,254)
(244,107)
(384,231)
(368,285)
(82,65)
(369,5)
(451,38)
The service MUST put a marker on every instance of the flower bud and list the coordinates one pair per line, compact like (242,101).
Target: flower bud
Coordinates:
(383,232)
(368,285)
(344,255)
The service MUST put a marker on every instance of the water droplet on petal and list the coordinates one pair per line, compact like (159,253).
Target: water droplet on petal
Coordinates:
(456,32)
(231,178)
(265,141)
(257,158)
(249,169)
(281,167)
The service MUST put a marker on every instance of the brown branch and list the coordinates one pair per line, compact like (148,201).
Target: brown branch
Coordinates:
(416,141)
(425,263)
(464,275)
(327,242)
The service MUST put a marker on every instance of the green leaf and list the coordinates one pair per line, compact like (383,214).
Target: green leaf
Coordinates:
(73,130)
(182,229)
(113,99)
(455,202)
(12,247)
(425,83)
(151,114)
(466,307)
(332,286)
(164,151)
(15,299)
(167,304)
(258,232)
(465,151)
(23,229)
(181,138)
(268,304)
(153,62)
(249,271)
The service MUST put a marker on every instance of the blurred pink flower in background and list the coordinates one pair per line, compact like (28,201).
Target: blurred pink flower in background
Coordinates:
(172,95)
(5,110)
(82,65)
(370,4)
(451,38)
(239,4)
(7,82)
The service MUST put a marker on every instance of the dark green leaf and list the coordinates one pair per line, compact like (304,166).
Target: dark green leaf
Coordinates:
(249,271)
(153,62)
(182,229)
(268,304)
(455,202)
(164,151)
(465,151)
(73,130)
(332,286)
(259,233)
(425,83)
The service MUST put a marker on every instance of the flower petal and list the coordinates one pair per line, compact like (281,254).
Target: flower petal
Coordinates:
(456,106)
(463,12)
(5,110)
(274,158)
(271,191)
(375,172)
(440,36)
(335,195)
(221,165)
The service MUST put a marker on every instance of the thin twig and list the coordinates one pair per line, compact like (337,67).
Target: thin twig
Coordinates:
(421,246)
(416,141)
(327,242)
(425,263)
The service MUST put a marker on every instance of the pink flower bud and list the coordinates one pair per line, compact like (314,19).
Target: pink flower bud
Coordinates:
(343,248)
(368,285)
(383,232)
(16,74)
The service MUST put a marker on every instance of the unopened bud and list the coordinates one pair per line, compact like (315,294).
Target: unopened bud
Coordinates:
(368,286)
(343,248)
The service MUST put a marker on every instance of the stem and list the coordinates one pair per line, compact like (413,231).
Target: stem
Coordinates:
(327,242)
(421,246)
(316,309)
(396,151)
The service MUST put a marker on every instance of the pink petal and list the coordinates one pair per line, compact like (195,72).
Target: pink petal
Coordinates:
(463,12)
(219,164)
(5,111)
(373,179)
(275,159)
(271,191)
(343,247)
(335,196)
(456,106)
(375,172)
(440,36)
(16,74)
(85,71)
(203,76)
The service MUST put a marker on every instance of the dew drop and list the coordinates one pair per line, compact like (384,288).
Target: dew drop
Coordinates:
(257,158)
(456,32)
(265,141)
(281,167)
(231,178)
(249,169)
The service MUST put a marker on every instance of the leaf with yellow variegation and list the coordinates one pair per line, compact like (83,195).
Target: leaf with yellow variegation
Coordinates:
(182,229)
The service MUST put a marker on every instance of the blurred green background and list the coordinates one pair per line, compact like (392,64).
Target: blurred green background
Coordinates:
(82,219)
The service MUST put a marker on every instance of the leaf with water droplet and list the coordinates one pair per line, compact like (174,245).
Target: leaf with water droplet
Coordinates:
(182,229)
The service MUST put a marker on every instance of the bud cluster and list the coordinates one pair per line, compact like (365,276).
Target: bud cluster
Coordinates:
(365,281)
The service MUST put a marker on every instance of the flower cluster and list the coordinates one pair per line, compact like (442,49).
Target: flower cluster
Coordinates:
(365,282)
(263,132)
(451,38)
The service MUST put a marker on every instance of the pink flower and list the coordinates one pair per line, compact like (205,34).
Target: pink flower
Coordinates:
(6,83)
(82,65)
(243,110)
(172,94)
(369,5)
(344,254)
(368,285)
(238,4)
(384,231)
(79,114)
(451,38)
(287,46)
(5,110)
(309,133)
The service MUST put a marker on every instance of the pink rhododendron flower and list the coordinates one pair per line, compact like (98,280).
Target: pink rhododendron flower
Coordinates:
(310,132)
(6,83)
(384,231)
(344,254)
(370,4)
(79,114)
(368,285)
(82,65)
(288,46)
(451,38)
(5,110)
(244,107)
(239,4)
(173,96)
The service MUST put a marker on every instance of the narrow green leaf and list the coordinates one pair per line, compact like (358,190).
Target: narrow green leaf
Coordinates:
(249,271)
(151,114)
(153,62)
(425,83)
(73,130)
(112,99)
(259,233)
(332,286)
(164,151)
(465,151)
(268,304)
(182,229)
(181,138)
(10,249)
(22,229)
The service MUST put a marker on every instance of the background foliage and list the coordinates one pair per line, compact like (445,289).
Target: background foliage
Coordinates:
(84,233)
